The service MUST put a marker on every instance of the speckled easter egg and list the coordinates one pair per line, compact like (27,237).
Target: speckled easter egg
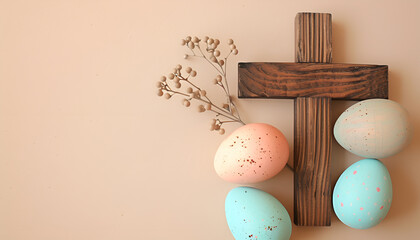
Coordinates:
(253,153)
(375,128)
(363,194)
(254,214)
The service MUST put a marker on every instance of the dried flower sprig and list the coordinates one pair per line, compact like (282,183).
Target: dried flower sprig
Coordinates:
(228,112)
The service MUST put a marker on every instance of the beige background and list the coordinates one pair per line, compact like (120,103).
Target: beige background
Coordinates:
(88,151)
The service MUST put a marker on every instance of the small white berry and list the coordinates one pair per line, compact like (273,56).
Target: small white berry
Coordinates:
(235,51)
(167,95)
(213,59)
(188,69)
(189,90)
(158,84)
(179,67)
(230,41)
(201,108)
(186,103)
(208,106)
(221,62)
(216,53)
(219,78)
(196,40)
(206,38)
(188,38)
(203,93)
(171,76)
(186,56)
(183,42)
(159,92)
(178,85)
(210,41)
(163,78)
(193,73)
(191,45)
(216,41)
(221,131)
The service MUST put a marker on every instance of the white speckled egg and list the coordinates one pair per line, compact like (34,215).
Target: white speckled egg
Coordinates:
(253,214)
(363,194)
(375,128)
(252,153)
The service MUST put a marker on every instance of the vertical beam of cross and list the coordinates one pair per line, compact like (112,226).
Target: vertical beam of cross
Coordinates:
(312,150)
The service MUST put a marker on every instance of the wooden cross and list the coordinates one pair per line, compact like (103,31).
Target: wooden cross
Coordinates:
(313,81)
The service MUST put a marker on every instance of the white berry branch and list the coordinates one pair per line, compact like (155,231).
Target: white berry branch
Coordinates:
(228,112)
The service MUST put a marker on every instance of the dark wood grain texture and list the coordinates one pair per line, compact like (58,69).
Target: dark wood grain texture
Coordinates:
(313,37)
(313,44)
(291,80)
(312,157)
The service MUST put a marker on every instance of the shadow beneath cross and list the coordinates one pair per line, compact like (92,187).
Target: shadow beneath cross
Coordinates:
(339,42)
(394,84)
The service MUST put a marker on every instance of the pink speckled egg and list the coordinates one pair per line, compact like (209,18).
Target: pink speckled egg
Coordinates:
(253,153)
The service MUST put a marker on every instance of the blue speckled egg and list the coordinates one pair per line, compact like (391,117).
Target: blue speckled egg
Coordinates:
(363,194)
(375,128)
(255,214)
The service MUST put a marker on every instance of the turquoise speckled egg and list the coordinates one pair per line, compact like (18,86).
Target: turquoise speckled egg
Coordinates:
(255,214)
(363,194)
(375,128)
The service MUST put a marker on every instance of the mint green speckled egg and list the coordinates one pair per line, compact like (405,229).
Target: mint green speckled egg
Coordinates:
(363,194)
(375,128)
(253,214)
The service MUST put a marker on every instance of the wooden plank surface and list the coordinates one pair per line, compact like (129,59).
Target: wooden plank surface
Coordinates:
(313,37)
(291,80)
(312,126)
(312,157)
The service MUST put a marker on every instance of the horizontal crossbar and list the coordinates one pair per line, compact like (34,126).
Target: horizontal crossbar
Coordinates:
(292,80)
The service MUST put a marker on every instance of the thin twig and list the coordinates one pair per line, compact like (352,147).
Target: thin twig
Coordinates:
(199,48)
(230,111)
